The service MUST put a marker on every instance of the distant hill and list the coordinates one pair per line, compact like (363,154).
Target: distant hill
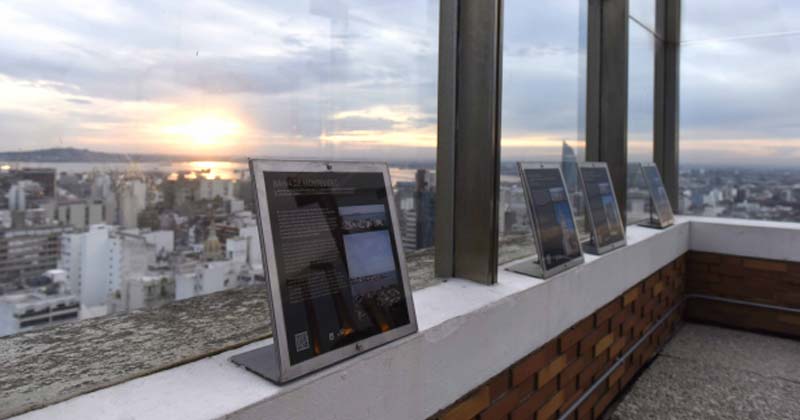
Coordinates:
(70,154)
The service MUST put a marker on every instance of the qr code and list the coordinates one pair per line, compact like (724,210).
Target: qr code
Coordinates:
(301,341)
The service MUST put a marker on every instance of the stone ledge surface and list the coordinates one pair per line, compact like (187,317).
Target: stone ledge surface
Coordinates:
(467,333)
(43,367)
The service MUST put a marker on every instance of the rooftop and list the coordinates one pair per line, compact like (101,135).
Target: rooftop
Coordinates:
(708,372)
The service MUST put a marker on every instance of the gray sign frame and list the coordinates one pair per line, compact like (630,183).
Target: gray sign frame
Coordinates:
(534,267)
(272,361)
(592,246)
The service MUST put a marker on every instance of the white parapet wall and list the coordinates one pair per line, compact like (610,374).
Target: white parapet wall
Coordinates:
(467,333)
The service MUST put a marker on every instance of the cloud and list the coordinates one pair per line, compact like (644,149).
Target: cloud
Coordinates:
(337,78)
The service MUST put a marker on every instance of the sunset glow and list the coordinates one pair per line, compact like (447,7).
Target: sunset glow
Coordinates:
(207,131)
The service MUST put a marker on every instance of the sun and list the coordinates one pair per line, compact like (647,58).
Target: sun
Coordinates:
(204,130)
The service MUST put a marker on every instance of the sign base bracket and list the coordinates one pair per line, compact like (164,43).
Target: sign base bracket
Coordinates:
(261,361)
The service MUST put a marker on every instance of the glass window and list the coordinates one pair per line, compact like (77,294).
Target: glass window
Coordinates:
(706,20)
(641,115)
(740,136)
(125,127)
(644,12)
(544,68)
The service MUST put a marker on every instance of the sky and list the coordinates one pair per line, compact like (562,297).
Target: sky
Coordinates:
(357,79)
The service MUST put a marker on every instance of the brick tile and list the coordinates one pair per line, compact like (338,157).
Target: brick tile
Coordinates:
(616,349)
(551,371)
(571,372)
(551,407)
(658,288)
(605,400)
(605,313)
(587,406)
(586,377)
(603,344)
(616,322)
(764,265)
(587,344)
(572,336)
(534,362)
(631,295)
(469,407)
(499,384)
(616,375)
(571,395)
(529,406)
(503,406)
(630,372)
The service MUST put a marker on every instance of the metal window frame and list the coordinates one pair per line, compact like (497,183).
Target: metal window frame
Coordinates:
(469,109)
(607,92)
(468,154)
(667,103)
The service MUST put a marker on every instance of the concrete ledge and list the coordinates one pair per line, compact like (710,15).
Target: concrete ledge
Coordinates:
(746,238)
(468,332)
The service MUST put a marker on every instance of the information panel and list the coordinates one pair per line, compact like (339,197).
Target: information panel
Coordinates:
(658,194)
(558,246)
(337,273)
(604,216)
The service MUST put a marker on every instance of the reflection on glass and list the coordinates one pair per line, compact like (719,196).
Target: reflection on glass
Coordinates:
(706,20)
(555,225)
(603,209)
(661,209)
(175,98)
(337,266)
(739,132)
(544,67)
(644,11)
(641,113)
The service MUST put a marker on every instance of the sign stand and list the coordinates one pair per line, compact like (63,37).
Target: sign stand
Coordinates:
(333,256)
(262,361)
(552,221)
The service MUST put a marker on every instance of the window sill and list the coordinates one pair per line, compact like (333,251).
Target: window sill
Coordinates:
(410,378)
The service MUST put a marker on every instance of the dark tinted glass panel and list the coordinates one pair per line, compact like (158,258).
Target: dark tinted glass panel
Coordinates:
(338,266)
(603,207)
(555,226)
(660,200)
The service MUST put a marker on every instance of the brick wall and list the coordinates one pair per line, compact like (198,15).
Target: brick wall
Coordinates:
(746,279)
(545,383)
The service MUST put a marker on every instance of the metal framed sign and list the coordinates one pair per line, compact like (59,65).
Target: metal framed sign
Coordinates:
(607,231)
(553,223)
(661,215)
(337,281)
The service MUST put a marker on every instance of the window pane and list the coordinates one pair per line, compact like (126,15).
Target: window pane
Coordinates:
(740,136)
(149,111)
(641,90)
(720,19)
(644,11)
(544,67)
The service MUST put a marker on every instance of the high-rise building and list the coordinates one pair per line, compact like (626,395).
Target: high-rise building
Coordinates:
(27,252)
(99,260)
(425,208)
(49,303)
(131,200)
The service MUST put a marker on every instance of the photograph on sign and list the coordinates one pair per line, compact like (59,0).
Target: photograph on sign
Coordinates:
(608,233)
(552,220)
(337,277)
(661,215)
